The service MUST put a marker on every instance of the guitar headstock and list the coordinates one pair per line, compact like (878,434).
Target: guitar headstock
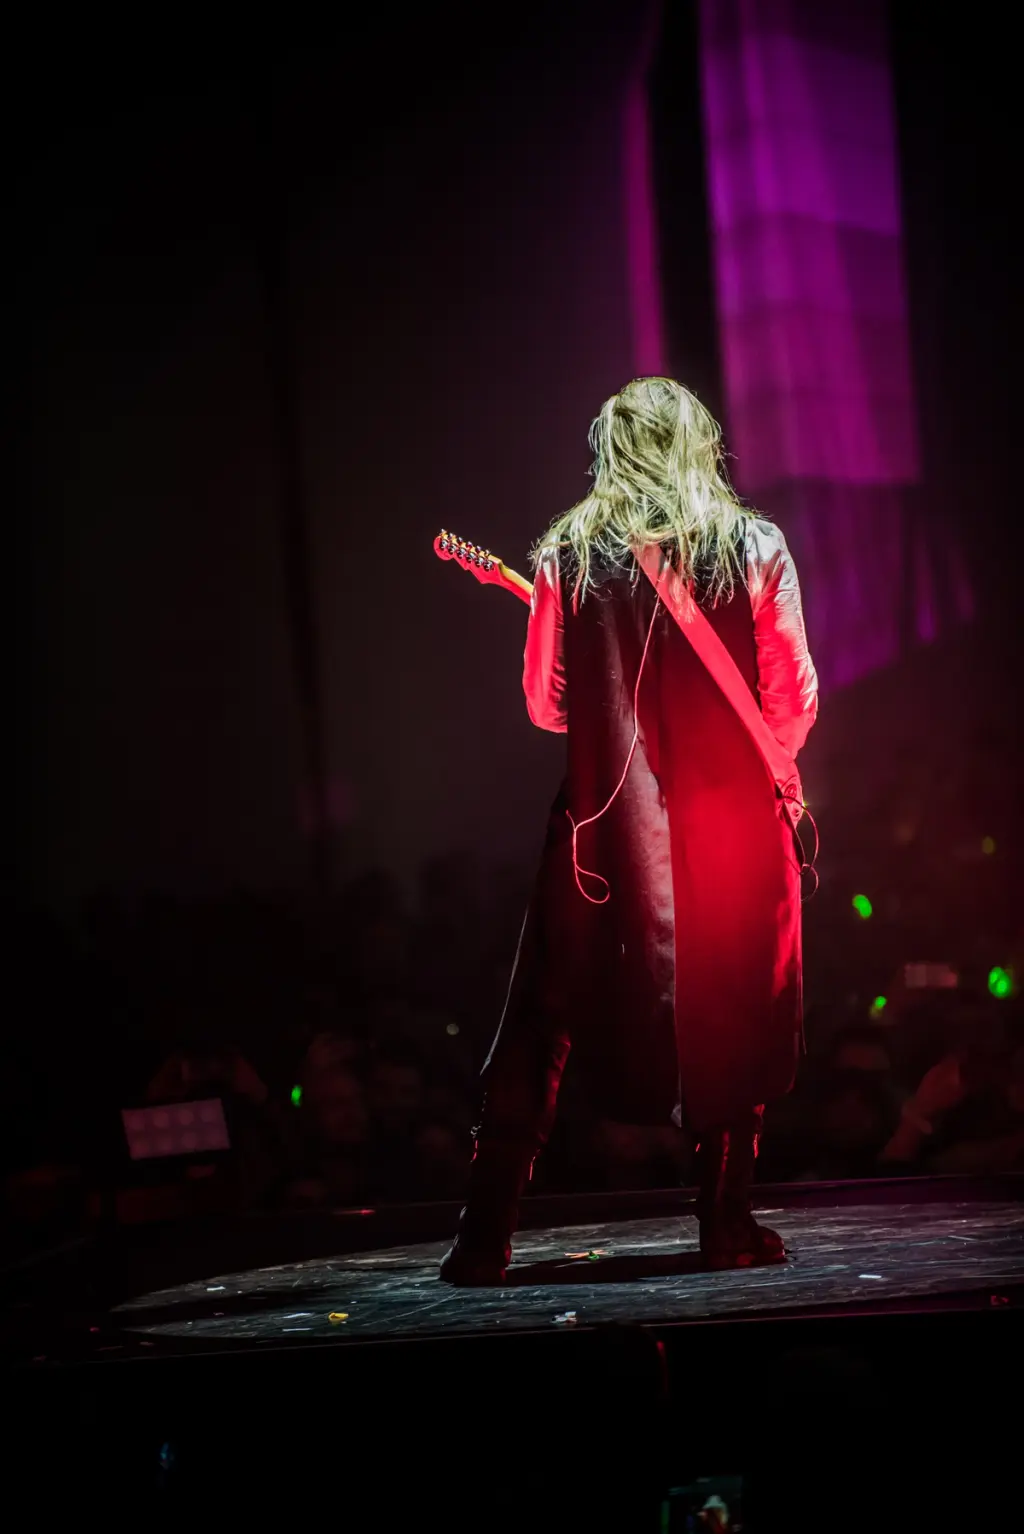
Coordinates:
(479,562)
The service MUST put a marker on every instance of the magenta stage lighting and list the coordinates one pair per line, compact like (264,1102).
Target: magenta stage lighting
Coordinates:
(176,1129)
(807,238)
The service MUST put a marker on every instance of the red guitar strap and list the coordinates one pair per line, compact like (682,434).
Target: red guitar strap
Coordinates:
(670,587)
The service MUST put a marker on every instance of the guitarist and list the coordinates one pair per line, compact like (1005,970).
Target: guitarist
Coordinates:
(662,940)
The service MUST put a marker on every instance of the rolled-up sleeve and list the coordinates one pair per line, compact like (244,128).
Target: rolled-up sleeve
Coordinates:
(787,681)
(544,661)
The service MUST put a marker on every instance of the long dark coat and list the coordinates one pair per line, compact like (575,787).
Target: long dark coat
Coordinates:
(685,985)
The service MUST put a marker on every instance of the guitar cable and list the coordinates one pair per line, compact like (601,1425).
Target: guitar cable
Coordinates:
(577,826)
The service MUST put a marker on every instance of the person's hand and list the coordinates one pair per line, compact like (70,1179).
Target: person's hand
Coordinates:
(243,1080)
(940,1089)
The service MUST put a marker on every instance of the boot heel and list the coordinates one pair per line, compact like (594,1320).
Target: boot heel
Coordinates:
(480,1254)
(730,1237)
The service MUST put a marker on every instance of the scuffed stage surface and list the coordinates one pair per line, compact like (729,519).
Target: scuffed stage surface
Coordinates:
(642,1271)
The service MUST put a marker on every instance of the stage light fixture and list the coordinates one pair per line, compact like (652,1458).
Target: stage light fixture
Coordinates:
(862,905)
(296,1097)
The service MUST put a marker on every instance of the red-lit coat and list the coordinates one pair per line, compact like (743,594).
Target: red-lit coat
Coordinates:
(691,970)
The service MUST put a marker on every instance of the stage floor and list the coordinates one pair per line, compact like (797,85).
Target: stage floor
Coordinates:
(852,1258)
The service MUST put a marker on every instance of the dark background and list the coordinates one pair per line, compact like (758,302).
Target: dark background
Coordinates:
(445,209)
(290,295)
(442,199)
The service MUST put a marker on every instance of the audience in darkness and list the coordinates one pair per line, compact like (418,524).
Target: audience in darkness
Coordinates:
(346,1036)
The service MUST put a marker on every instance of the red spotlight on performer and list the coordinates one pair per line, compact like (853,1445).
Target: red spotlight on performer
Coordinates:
(662,942)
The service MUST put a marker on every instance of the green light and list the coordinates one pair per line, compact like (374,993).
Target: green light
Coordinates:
(862,906)
(1000,981)
(296,1096)
(988,845)
(878,1004)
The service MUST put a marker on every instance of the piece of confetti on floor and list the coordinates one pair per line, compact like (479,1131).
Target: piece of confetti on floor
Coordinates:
(591,1256)
(568,1318)
(337,1316)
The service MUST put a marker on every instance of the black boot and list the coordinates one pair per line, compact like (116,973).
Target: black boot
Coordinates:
(480,1253)
(730,1237)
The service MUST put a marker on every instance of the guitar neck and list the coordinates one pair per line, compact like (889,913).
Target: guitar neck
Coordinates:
(516,582)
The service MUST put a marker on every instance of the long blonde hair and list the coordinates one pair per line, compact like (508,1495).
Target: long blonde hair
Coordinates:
(658,478)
